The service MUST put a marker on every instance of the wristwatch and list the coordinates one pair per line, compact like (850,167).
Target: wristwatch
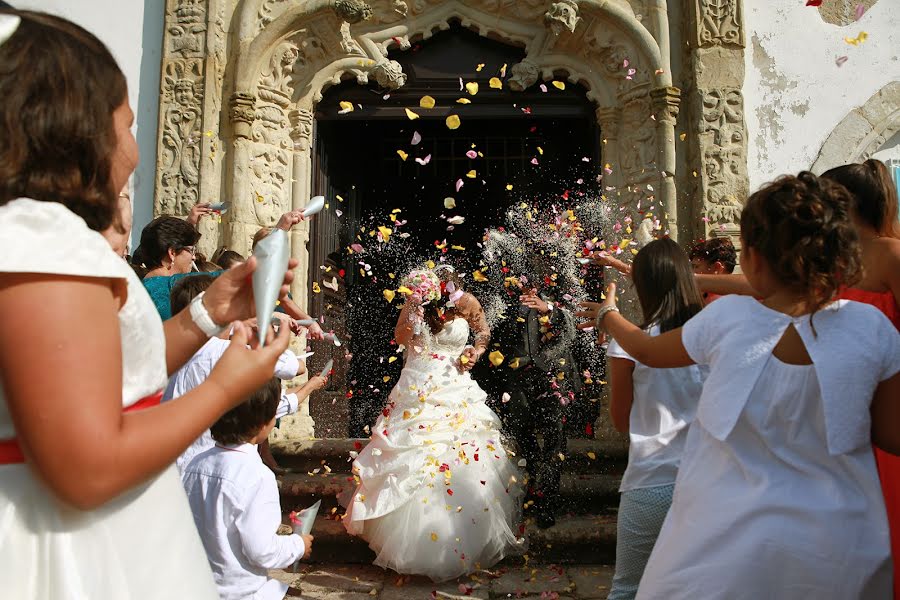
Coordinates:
(201,318)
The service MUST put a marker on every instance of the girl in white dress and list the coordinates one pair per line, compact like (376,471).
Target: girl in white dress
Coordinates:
(777,495)
(654,407)
(437,495)
(92,506)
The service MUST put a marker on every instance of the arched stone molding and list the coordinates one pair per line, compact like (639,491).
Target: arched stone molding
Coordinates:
(289,53)
(863,131)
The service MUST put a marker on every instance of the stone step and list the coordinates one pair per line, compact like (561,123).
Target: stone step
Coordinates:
(590,493)
(606,456)
(573,540)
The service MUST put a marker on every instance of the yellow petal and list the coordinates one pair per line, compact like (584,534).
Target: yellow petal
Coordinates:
(472,88)
(514,363)
(464,359)
(389,295)
(540,151)
(427,102)
(509,187)
(392,359)
(479,67)
(479,276)
(385,232)
(464,101)
(496,83)
(559,85)
(592,456)
(453,122)
(404,290)
(472,174)
(449,203)
(496,357)
(412,116)
(403,155)
(429,264)
(316,287)
(346,106)
(434,537)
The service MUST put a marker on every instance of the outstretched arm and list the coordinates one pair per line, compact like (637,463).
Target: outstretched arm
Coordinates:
(725,284)
(662,351)
(405,328)
(470,309)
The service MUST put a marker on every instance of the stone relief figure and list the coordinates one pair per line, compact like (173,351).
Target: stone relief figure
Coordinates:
(389,75)
(722,123)
(352,11)
(181,135)
(186,34)
(348,44)
(281,68)
(523,75)
(271,126)
(719,23)
(562,16)
(638,147)
(269,171)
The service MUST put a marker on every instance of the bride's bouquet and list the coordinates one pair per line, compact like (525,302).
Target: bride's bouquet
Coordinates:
(421,285)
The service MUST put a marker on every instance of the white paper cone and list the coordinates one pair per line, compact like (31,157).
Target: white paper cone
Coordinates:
(272,254)
(327,368)
(314,206)
(305,322)
(307,518)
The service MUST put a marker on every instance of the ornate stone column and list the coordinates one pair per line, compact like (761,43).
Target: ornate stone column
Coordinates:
(716,177)
(665,102)
(242,223)
(301,135)
(609,117)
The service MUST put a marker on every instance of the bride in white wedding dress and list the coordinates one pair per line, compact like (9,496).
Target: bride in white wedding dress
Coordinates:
(437,494)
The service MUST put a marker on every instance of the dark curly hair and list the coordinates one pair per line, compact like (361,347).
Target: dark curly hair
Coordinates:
(874,194)
(161,234)
(245,420)
(60,86)
(716,250)
(801,227)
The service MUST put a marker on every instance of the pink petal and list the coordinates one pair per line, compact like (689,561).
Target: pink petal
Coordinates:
(472,154)
(417,137)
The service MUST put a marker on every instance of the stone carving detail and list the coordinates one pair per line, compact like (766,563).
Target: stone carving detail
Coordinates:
(242,108)
(719,23)
(275,82)
(389,75)
(723,144)
(352,11)
(269,172)
(187,30)
(523,75)
(638,144)
(271,126)
(666,103)
(181,132)
(302,128)
(348,44)
(562,16)
(271,10)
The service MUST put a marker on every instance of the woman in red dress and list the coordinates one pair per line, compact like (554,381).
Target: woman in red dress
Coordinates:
(876,223)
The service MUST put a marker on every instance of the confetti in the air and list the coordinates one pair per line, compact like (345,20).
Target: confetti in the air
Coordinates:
(427,102)
(453,122)
(411,115)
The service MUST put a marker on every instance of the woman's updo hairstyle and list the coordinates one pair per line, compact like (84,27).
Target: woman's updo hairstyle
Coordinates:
(59,87)
(874,194)
(801,227)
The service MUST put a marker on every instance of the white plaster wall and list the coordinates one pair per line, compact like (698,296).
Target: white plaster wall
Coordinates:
(794,93)
(136,42)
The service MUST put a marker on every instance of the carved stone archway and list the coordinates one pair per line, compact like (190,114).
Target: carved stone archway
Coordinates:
(863,131)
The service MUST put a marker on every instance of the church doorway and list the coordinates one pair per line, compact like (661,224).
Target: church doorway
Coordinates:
(509,147)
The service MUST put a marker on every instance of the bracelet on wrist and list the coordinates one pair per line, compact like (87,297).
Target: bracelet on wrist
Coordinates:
(598,320)
(201,317)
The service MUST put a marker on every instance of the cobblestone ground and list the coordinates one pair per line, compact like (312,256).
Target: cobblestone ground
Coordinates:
(363,582)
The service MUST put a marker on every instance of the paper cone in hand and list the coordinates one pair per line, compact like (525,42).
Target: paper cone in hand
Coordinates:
(315,205)
(303,521)
(327,368)
(272,255)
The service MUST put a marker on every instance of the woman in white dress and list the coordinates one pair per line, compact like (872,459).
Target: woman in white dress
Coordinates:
(92,506)
(777,495)
(437,494)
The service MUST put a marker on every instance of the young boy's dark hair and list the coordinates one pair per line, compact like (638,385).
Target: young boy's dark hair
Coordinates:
(715,250)
(246,419)
(186,289)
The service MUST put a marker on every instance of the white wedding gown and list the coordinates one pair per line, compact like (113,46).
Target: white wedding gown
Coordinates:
(437,494)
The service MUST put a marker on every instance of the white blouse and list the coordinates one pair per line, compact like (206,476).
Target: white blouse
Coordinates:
(853,347)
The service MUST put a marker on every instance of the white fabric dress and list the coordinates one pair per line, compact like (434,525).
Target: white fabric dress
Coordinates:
(437,494)
(785,501)
(142,545)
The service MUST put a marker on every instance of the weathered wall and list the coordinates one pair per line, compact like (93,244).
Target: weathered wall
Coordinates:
(795,94)
(133,31)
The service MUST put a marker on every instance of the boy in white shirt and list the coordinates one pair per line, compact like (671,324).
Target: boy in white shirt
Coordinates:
(234,499)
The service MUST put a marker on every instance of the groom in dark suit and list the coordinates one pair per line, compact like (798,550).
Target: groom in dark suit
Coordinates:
(537,381)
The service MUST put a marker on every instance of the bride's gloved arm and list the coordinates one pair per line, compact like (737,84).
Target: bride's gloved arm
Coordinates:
(470,309)
(405,328)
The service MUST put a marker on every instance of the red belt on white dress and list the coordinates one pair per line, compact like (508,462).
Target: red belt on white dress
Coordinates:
(11,452)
